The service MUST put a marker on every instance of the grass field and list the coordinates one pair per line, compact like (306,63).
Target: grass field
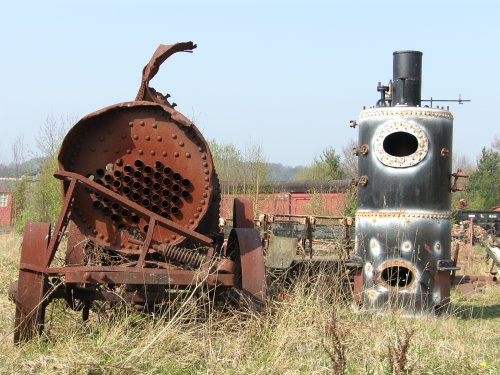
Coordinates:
(312,330)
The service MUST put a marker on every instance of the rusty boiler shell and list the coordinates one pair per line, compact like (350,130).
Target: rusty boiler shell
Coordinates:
(150,154)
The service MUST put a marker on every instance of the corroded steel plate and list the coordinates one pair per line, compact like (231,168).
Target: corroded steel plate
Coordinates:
(148,153)
(252,266)
(31,288)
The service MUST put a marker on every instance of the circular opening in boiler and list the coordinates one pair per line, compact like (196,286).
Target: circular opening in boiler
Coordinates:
(397,276)
(400,144)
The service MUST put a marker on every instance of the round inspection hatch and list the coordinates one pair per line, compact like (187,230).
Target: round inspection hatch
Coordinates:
(401,145)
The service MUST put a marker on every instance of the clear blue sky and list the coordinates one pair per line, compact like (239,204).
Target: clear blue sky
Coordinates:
(288,75)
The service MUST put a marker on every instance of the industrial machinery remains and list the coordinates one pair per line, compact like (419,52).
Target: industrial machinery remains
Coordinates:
(140,209)
(403,221)
(141,201)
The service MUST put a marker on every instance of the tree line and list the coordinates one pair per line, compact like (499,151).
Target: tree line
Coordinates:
(246,171)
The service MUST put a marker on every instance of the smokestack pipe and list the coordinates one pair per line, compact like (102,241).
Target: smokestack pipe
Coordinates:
(407,78)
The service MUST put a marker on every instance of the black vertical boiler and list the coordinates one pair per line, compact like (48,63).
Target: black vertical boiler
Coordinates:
(403,221)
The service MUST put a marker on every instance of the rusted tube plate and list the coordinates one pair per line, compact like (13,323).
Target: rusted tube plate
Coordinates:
(138,150)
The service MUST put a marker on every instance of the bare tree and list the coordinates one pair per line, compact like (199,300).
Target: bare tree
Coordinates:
(495,145)
(51,134)
(349,163)
(460,161)
(257,170)
(40,199)
(228,164)
(19,156)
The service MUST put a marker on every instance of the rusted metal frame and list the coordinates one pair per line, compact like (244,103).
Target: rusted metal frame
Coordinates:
(253,271)
(172,277)
(63,175)
(209,260)
(149,94)
(147,242)
(358,285)
(309,235)
(455,259)
(89,294)
(481,280)
(346,231)
(443,283)
(61,224)
(131,275)
(347,237)
(469,284)
(458,174)
(267,229)
(224,265)
(60,271)
(306,216)
(246,239)
(242,213)
(31,295)
(163,52)
(470,244)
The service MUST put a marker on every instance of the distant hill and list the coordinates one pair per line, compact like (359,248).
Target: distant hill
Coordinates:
(28,168)
(280,172)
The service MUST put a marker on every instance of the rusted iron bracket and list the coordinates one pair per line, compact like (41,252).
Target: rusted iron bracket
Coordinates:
(469,284)
(458,174)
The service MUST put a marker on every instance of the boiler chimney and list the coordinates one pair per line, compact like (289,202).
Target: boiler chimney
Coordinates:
(407,78)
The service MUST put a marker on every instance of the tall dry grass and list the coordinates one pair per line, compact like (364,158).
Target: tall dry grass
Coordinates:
(299,333)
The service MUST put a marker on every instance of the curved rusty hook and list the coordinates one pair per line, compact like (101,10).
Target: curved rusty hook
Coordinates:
(163,52)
